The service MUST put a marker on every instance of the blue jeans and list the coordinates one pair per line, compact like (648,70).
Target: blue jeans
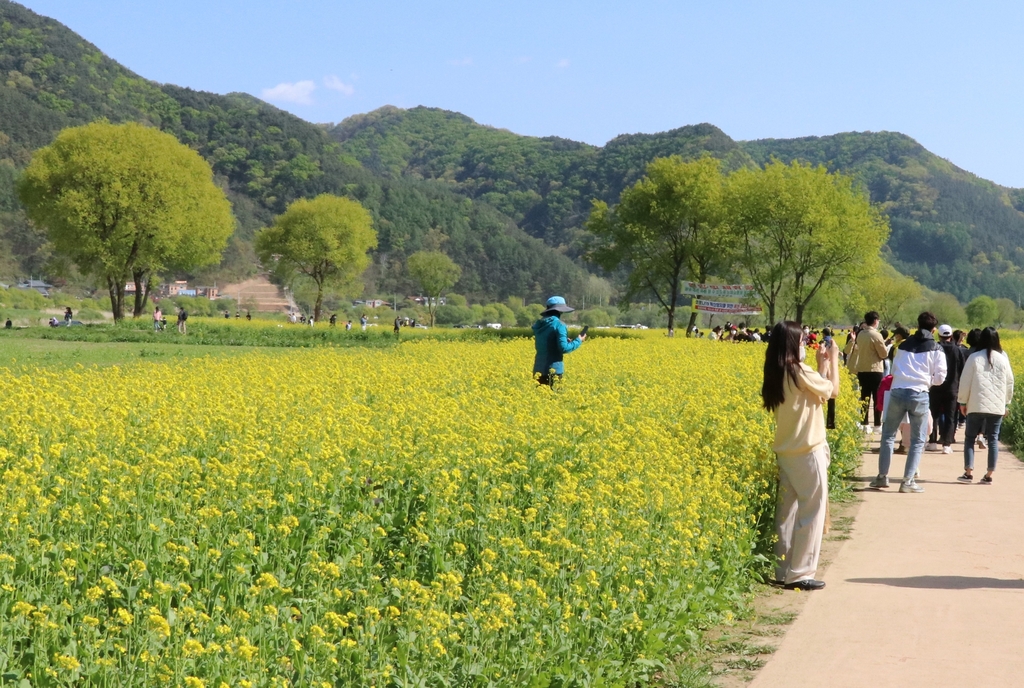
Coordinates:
(987,424)
(915,404)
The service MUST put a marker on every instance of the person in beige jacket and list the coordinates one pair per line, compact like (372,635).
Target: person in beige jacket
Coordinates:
(870,352)
(986,389)
(794,392)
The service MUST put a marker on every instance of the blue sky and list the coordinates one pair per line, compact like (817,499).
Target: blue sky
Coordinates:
(948,74)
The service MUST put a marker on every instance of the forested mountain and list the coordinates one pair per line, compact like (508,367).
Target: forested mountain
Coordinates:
(51,78)
(508,208)
(952,230)
(544,184)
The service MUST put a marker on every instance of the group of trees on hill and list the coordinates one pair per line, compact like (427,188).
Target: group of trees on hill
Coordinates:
(791,231)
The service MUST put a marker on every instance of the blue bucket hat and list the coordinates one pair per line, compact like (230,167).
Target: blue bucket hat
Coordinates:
(556,304)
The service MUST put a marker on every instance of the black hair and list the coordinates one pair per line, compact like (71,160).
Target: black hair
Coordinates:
(826,332)
(781,358)
(884,333)
(988,342)
(972,337)
(927,321)
(958,336)
(901,331)
(870,318)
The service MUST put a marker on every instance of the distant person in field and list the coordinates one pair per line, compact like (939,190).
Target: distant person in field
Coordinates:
(248,315)
(919,365)
(986,390)
(8,325)
(182,321)
(869,352)
(551,342)
(334,319)
(227,315)
(942,398)
(828,366)
(363,321)
(158,317)
(398,325)
(795,393)
(68,315)
(348,325)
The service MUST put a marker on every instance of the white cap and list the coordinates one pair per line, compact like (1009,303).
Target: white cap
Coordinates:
(945,331)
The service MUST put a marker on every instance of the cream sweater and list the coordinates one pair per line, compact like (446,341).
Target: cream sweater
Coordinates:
(799,422)
(985,387)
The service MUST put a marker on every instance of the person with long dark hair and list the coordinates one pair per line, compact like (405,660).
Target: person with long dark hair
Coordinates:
(795,393)
(986,389)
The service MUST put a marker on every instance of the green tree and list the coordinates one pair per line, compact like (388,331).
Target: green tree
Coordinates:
(946,308)
(982,312)
(434,272)
(802,228)
(667,226)
(326,239)
(124,202)
(889,292)
(1006,312)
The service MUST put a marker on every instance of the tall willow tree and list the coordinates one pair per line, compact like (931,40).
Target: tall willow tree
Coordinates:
(326,239)
(124,202)
(667,227)
(802,228)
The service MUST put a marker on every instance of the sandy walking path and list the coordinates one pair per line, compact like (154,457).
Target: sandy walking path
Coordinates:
(928,592)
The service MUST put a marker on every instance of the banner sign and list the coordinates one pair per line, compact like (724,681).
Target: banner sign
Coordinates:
(719,291)
(725,308)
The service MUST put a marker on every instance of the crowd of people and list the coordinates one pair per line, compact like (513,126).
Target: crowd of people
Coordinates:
(925,385)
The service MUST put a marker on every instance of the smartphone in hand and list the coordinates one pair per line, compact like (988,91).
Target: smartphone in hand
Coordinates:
(583,332)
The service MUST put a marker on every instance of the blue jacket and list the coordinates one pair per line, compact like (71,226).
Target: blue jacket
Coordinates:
(552,342)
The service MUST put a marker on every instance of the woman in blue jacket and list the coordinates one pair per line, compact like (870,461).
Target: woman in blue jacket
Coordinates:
(552,341)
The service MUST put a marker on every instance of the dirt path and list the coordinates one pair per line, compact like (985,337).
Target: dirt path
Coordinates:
(928,592)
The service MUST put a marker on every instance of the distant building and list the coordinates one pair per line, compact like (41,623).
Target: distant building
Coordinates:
(39,285)
(176,288)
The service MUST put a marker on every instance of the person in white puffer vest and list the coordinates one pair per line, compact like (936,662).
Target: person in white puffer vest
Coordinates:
(986,389)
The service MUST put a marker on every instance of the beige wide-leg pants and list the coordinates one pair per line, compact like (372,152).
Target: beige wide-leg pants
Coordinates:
(800,516)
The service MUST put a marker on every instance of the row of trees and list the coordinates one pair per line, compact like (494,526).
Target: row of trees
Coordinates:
(792,231)
(126,203)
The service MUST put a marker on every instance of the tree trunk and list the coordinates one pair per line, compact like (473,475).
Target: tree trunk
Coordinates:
(672,313)
(319,302)
(800,313)
(693,321)
(139,277)
(116,290)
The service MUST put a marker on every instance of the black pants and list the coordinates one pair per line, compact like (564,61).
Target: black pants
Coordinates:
(869,383)
(944,416)
(830,415)
(549,379)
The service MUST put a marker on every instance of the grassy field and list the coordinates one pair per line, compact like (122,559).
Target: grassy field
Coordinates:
(25,353)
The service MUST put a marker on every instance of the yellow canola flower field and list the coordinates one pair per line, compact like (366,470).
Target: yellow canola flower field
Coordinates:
(424,515)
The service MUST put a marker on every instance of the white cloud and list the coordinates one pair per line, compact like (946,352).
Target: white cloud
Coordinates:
(464,62)
(562,64)
(335,84)
(301,93)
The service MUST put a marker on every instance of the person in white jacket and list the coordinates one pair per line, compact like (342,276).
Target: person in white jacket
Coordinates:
(986,389)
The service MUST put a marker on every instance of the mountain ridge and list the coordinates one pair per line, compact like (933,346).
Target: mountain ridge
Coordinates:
(508,208)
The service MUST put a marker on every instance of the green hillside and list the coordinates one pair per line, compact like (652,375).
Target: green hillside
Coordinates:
(952,230)
(263,156)
(544,184)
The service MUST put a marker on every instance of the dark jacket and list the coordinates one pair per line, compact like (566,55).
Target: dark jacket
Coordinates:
(551,340)
(955,359)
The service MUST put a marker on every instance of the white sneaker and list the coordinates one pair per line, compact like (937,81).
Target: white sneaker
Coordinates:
(982,444)
(946,449)
(931,446)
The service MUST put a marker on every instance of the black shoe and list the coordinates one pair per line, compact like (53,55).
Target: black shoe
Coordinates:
(966,478)
(987,480)
(805,585)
